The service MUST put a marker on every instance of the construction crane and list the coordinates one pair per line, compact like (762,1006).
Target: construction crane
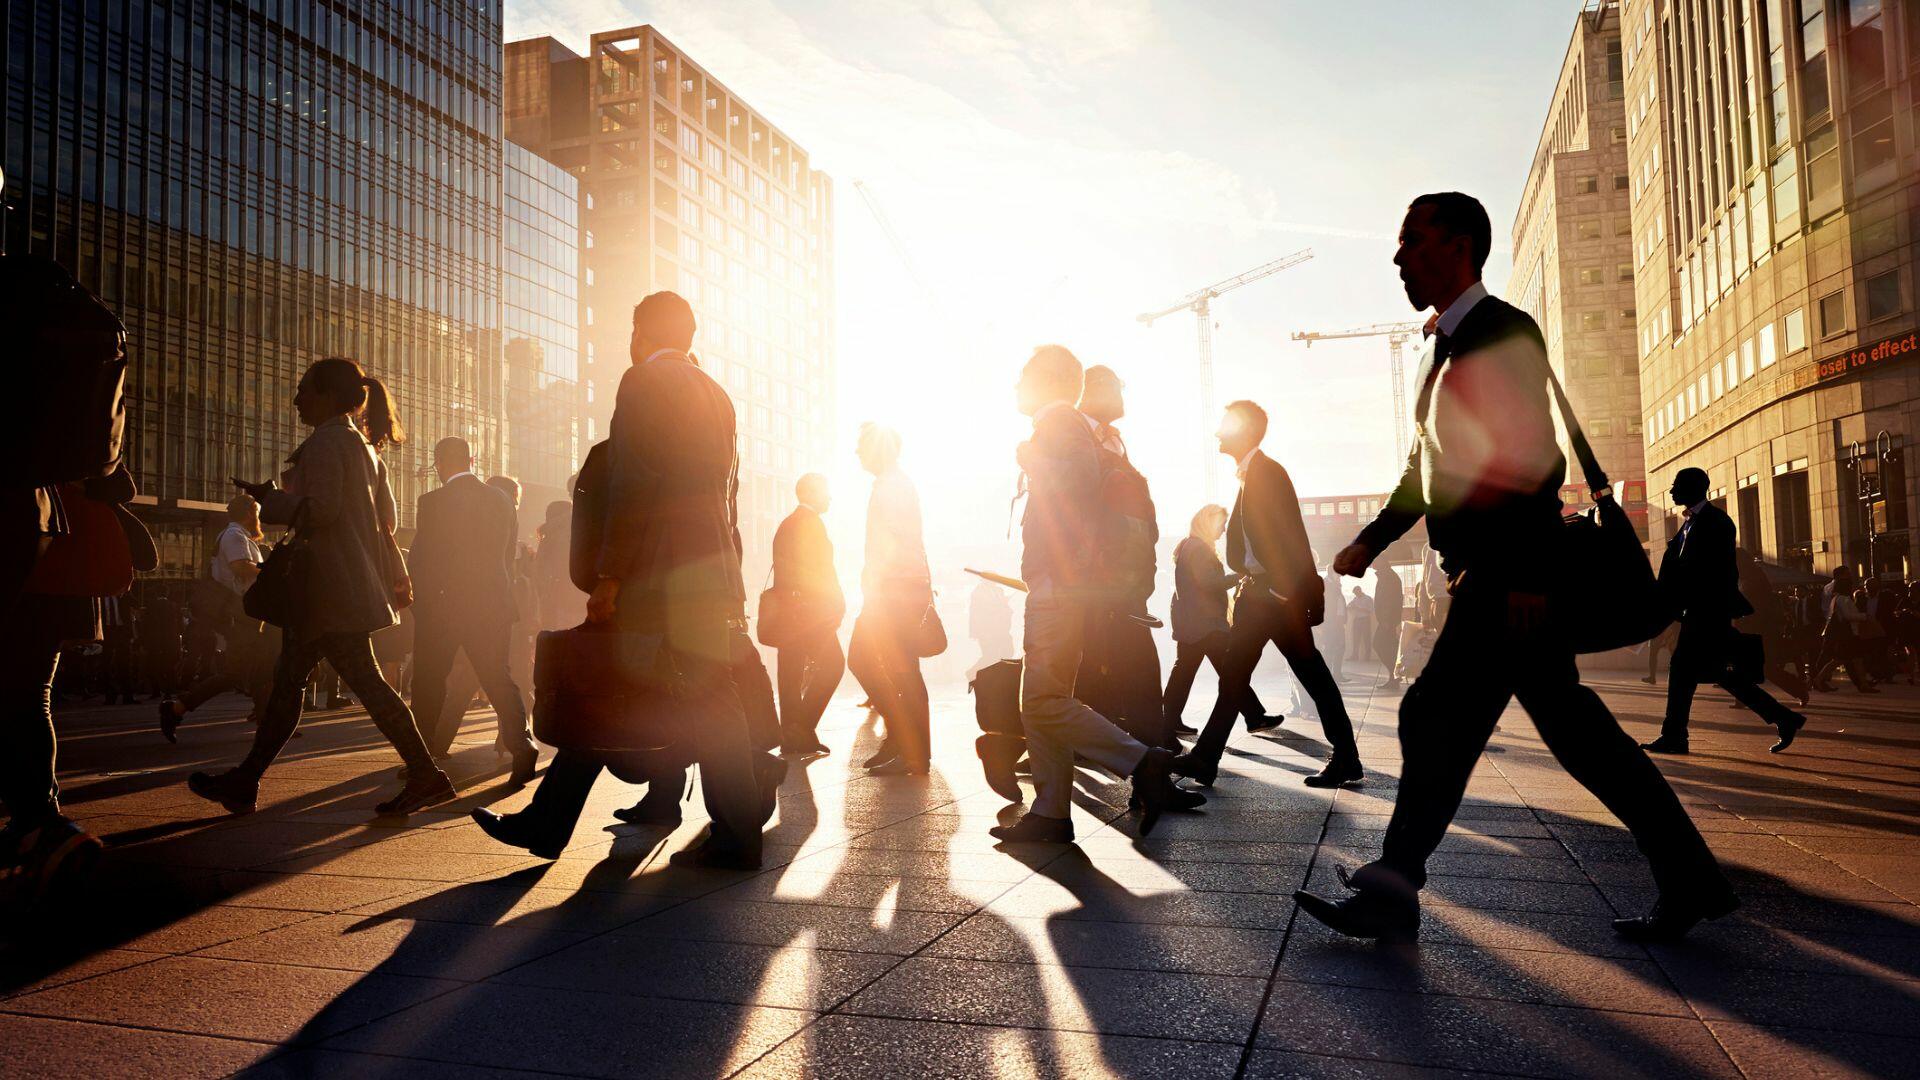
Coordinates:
(1201,304)
(1396,335)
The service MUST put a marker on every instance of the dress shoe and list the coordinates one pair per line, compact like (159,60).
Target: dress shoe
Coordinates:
(1153,785)
(1788,729)
(1265,723)
(711,856)
(897,767)
(886,753)
(1670,920)
(1195,769)
(1034,829)
(804,753)
(418,795)
(1364,915)
(652,810)
(513,831)
(524,762)
(233,789)
(1337,772)
(59,858)
(1649,680)
(1180,799)
(1665,745)
(169,720)
(1185,731)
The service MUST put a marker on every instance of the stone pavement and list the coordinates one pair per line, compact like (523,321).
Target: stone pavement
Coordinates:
(887,936)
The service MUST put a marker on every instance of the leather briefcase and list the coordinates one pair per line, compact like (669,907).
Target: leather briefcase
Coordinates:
(608,691)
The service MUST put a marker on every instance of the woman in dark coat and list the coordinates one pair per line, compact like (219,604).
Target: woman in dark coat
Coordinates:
(1200,586)
(336,495)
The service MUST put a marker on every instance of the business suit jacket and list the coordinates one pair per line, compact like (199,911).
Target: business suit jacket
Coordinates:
(1485,470)
(463,552)
(670,533)
(1057,531)
(1698,576)
(349,514)
(1199,591)
(1266,523)
(803,566)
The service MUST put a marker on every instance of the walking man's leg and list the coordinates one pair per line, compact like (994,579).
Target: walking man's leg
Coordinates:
(1310,669)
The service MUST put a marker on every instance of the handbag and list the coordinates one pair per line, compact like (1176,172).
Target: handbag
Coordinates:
(928,637)
(773,619)
(608,691)
(278,596)
(1607,596)
(92,558)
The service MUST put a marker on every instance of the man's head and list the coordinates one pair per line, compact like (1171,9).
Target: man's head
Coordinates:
(1241,429)
(1689,486)
(661,320)
(243,511)
(451,457)
(1444,243)
(878,447)
(1100,394)
(811,490)
(1051,374)
(508,486)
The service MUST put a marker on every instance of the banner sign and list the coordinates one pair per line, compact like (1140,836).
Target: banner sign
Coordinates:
(1879,354)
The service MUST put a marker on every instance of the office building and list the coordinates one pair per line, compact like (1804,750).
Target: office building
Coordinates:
(684,186)
(1772,154)
(1572,257)
(540,297)
(255,186)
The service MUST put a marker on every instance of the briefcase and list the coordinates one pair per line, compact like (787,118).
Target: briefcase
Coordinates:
(609,691)
(996,698)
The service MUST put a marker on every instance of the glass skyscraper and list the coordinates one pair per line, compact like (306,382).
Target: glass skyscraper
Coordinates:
(541,298)
(254,184)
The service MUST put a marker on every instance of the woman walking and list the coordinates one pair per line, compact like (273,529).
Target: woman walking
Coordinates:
(1200,586)
(336,496)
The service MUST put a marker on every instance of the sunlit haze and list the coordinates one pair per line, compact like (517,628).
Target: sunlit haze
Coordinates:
(1054,169)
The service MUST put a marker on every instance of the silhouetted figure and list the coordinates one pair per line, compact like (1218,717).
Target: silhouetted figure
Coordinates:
(1389,614)
(1281,600)
(1662,642)
(1486,473)
(1200,629)
(990,624)
(1330,633)
(809,660)
(1840,640)
(243,665)
(1061,467)
(667,562)
(163,636)
(1701,585)
(464,543)
(335,494)
(896,592)
(562,604)
(526,599)
(1120,666)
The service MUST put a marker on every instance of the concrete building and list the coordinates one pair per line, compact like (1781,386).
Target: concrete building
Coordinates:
(684,186)
(253,187)
(1772,156)
(1572,256)
(540,318)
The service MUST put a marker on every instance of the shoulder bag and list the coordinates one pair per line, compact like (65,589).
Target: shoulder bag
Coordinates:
(278,596)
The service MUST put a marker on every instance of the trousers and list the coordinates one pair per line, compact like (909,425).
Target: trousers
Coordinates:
(1701,649)
(1059,725)
(487,642)
(1258,619)
(1187,656)
(352,657)
(809,671)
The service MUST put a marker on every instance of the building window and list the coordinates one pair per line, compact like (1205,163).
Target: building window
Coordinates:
(1765,345)
(1586,185)
(1624,272)
(1833,313)
(1620,182)
(1592,275)
(1823,171)
(1593,320)
(1865,44)
(1747,367)
(1795,325)
(1586,230)
(1883,296)
(1793,520)
(1872,143)
(1617,133)
(1633,425)
(1816,100)
(1626,316)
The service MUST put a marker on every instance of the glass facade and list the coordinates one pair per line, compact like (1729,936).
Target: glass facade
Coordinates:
(686,187)
(253,184)
(540,319)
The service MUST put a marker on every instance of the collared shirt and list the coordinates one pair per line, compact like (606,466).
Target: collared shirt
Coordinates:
(1254,566)
(458,475)
(1689,513)
(1246,459)
(1449,321)
(659,353)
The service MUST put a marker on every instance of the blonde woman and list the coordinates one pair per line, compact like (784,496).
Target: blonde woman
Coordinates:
(1200,587)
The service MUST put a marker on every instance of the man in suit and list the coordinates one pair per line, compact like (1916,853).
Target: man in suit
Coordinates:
(1485,471)
(1701,583)
(462,564)
(1281,601)
(667,563)
(1062,471)
(808,659)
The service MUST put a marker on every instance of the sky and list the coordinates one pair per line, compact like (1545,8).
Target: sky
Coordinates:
(1053,168)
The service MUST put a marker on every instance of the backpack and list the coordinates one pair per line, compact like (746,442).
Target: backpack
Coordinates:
(71,361)
(1127,531)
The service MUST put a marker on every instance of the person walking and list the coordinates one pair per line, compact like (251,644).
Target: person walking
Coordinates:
(1200,628)
(1485,472)
(1769,621)
(1389,614)
(1061,468)
(666,562)
(1840,641)
(1280,601)
(464,544)
(1701,585)
(235,565)
(335,496)
(562,604)
(808,659)
(896,595)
